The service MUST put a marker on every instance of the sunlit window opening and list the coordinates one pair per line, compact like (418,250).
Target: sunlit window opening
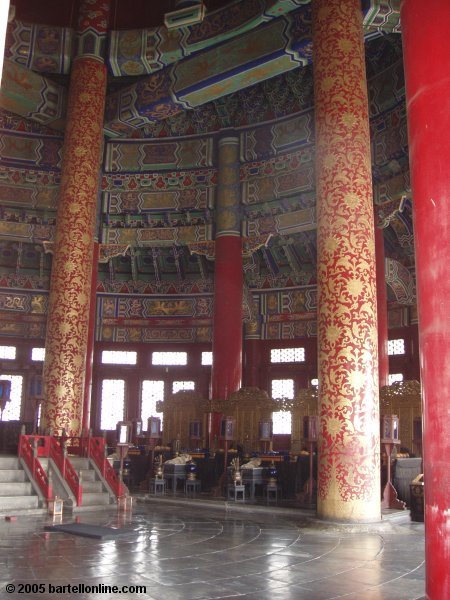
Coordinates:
(282,388)
(394,377)
(282,420)
(207,358)
(112,403)
(182,385)
(38,354)
(152,392)
(7,352)
(118,357)
(396,347)
(287,355)
(5,11)
(14,406)
(169,358)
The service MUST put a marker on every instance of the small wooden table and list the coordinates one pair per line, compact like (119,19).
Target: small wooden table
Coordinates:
(157,486)
(271,493)
(236,493)
(192,486)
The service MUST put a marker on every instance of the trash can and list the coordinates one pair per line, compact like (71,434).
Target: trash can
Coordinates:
(416,488)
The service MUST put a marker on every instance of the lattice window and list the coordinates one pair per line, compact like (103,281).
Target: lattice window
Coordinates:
(8,352)
(152,392)
(169,358)
(282,388)
(182,385)
(119,357)
(38,354)
(396,347)
(14,406)
(287,355)
(112,403)
(282,422)
(207,358)
(393,377)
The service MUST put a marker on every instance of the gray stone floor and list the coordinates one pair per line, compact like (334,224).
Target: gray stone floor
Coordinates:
(182,550)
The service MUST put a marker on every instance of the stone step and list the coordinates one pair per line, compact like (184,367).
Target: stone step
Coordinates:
(93,490)
(79,462)
(8,475)
(96,499)
(91,487)
(16,488)
(86,475)
(9,462)
(12,503)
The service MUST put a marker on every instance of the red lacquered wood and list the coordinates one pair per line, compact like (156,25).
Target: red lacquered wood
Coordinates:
(426,46)
(227,337)
(382,313)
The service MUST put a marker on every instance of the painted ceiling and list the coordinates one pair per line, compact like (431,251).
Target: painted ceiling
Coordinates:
(246,67)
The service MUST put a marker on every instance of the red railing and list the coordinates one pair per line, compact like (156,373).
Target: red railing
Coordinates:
(66,469)
(96,451)
(76,446)
(27,452)
(53,447)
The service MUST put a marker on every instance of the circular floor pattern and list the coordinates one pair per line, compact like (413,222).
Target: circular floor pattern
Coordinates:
(196,552)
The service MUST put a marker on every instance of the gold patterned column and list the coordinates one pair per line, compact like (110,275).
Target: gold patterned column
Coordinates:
(70,285)
(349,468)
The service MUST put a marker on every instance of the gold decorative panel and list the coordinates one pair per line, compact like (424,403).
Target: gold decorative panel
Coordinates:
(404,399)
(179,410)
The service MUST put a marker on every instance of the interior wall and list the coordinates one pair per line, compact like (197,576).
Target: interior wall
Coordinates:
(265,371)
(408,363)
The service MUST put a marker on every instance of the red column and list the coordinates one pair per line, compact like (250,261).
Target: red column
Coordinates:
(382,311)
(348,447)
(252,353)
(71,277)
(428,112)
(226,373)
(90,342)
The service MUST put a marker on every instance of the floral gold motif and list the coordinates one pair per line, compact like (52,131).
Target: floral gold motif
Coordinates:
(69,300)
(348,485)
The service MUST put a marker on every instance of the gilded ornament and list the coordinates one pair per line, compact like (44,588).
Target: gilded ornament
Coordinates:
(327,84)
(133,68)
(74,425)
(324,13)
(333,426)
(78,361)
(352,200)
(332,333)
(69,267)
(331,244)
(355,287)
(65,328)
(59,390)
(357,380)
(38,304)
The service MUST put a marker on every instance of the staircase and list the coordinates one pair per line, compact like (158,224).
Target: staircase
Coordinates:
(94,491)
(16,490)
(81,483)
